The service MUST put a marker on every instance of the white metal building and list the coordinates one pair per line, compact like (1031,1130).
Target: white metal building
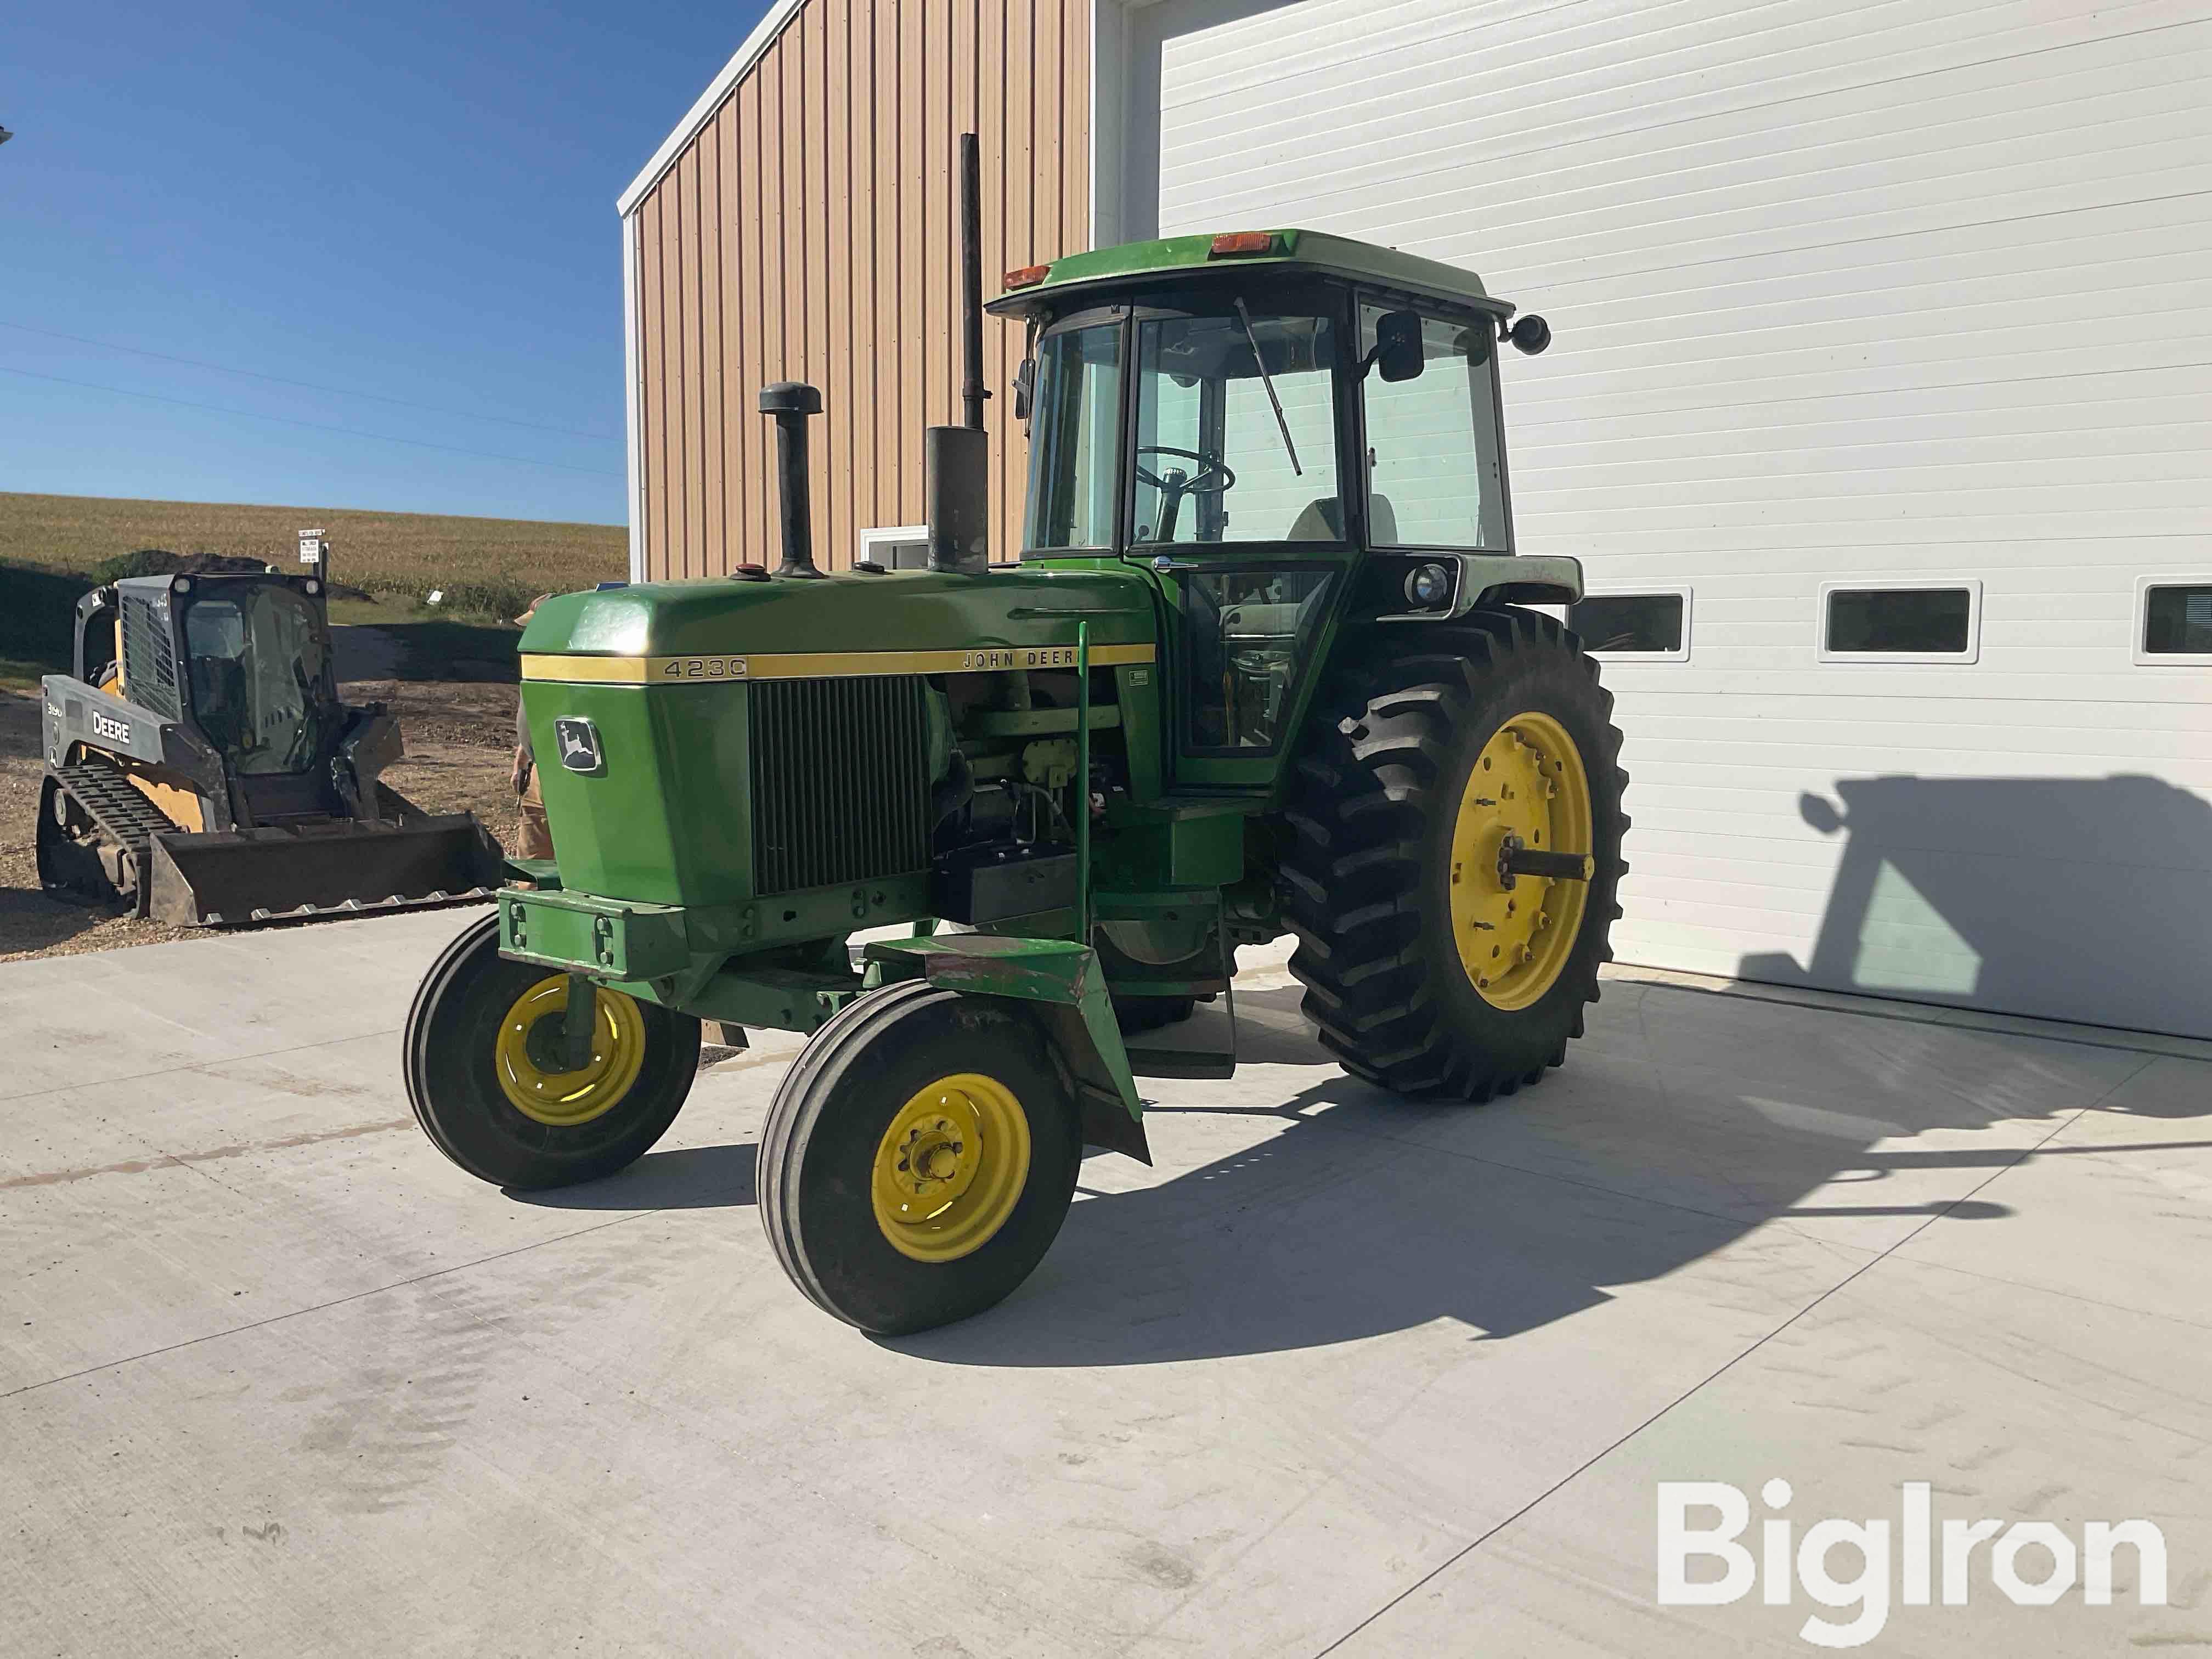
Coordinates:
(1883,371)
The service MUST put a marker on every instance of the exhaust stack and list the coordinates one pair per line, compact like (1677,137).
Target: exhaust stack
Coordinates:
(958,457)
(790,402)
(972,390)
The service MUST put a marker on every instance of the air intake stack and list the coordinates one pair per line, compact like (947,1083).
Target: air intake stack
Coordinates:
(790,402)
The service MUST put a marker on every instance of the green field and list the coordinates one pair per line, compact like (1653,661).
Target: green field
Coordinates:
(486,568)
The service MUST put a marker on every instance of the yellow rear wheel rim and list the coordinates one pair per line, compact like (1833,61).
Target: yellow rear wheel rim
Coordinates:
(565,1099)
(950,1168)
(1529,782)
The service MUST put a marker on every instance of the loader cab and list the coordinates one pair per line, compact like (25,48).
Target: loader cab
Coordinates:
(245,662)
(1274,426)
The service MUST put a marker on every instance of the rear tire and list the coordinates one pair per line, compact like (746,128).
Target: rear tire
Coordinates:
(902,1076)
(1384,900)
(463,1084)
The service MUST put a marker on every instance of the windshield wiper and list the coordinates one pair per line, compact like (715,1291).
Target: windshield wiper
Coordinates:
(1282,425)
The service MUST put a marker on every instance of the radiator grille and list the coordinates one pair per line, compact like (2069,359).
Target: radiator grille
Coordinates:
(149,660)
(840,780)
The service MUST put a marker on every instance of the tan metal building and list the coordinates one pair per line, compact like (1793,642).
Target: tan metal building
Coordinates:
(798,225)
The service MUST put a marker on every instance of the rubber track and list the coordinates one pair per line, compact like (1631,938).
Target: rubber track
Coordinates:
(123,812)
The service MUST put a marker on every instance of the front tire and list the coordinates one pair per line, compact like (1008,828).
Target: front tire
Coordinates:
(919,1159)
(1426,971)
(493,1100)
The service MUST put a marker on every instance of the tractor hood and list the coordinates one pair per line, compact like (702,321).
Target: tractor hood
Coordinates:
(904,622)
(685,731)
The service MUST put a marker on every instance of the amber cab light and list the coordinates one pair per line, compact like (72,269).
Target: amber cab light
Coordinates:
(1243,242)
(1028,276)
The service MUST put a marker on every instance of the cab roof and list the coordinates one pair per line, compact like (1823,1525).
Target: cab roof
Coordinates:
(1303,252)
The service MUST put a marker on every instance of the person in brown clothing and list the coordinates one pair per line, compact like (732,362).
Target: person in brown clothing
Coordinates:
(532,840)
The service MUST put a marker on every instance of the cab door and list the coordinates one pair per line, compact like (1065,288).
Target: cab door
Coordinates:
(1235,504)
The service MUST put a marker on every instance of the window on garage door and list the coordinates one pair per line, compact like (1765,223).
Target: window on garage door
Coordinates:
(1652,625)
(2173,620)
(1902,622)
(1433,476)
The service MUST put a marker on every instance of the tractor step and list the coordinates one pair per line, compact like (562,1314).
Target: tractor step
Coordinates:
(1205,1064)
(1183,1063)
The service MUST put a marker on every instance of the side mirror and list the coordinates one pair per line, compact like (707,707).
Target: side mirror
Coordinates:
(1025,388)
(1398,352)
(1531,334)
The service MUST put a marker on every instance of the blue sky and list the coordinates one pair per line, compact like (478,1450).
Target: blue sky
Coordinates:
(404,201)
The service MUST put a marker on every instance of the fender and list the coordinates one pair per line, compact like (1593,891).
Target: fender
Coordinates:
(1479,581)
(1063,979)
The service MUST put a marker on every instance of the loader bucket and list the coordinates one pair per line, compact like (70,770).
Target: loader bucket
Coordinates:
(241,876)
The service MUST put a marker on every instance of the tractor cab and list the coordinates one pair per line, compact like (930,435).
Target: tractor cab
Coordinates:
(1285,429)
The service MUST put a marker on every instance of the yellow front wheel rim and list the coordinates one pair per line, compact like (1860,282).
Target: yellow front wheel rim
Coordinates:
(950,1168)
(1515,941)
(565,1099)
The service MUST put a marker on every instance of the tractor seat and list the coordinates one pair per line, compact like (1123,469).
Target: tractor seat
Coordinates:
(1323,521)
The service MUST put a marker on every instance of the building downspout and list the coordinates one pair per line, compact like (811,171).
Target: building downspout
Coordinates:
(1109,52)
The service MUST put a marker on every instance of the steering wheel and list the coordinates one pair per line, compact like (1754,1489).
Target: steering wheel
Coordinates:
(1214,475)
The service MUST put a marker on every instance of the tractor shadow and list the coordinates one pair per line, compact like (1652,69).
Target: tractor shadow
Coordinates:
(677,1178)
(1332,1211)
(2061,898)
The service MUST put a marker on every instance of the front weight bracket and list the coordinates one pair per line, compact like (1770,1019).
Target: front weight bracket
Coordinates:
(580,1024)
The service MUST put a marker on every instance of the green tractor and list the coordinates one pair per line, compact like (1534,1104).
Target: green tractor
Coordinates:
(1268,665)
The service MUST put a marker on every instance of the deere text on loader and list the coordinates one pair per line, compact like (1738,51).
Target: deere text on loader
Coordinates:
(201,769)
(1267,666)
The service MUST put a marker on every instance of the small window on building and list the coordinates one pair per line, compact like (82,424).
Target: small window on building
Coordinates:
(903,547)
(1653,625)
(1865,621)
(2173,620)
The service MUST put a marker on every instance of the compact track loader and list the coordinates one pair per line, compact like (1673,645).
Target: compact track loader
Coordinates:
(200,768)
(1269,663)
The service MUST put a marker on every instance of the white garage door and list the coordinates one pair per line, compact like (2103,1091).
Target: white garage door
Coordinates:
(1910,296)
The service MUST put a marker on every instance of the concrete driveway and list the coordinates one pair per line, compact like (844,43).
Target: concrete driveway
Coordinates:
(1340,1375)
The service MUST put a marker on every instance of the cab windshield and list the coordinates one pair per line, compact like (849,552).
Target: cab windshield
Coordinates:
(1236,432)
(258,675)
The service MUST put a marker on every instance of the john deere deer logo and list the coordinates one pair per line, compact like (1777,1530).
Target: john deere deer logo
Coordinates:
(578,741)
